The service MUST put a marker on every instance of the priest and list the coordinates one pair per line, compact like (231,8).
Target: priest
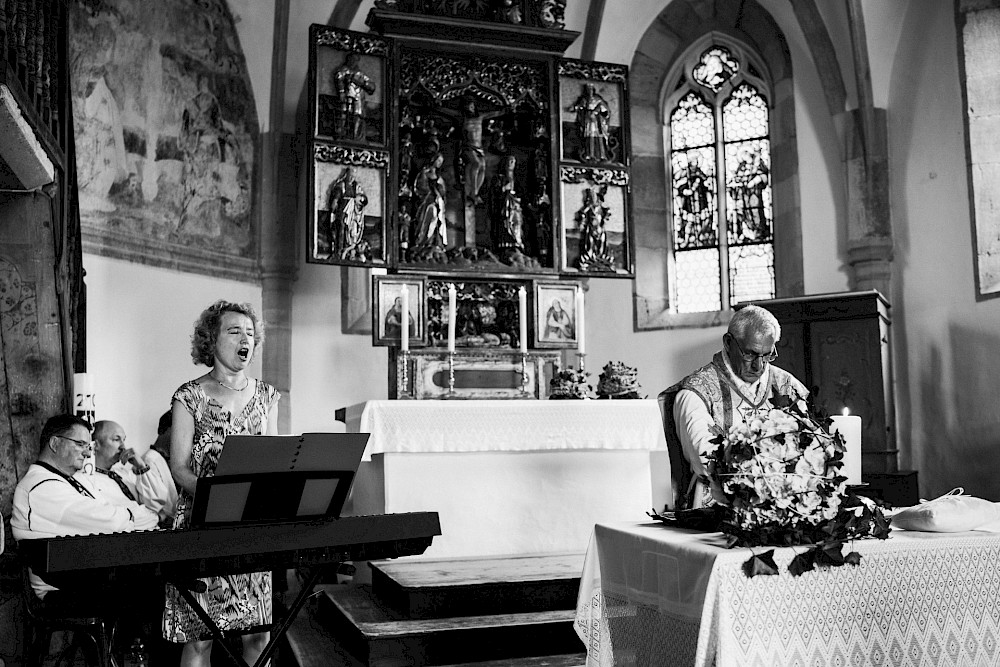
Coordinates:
(737,385)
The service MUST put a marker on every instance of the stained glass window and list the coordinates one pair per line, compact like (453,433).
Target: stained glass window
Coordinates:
(723,244)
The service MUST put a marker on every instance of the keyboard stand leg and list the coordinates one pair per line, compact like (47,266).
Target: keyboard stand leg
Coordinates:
(210,624)
(278,631)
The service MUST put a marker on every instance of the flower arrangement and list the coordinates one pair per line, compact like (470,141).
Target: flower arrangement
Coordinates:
(569,383)
(778,481)
(618,381)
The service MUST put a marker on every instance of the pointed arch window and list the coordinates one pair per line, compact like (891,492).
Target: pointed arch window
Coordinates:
(722,221)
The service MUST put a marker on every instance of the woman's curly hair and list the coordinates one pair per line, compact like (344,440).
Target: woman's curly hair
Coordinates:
(206,330)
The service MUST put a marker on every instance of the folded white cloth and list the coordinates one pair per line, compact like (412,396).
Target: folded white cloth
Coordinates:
(953,512)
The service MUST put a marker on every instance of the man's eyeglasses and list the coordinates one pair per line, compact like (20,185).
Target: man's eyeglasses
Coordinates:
(82,444)
(750,357)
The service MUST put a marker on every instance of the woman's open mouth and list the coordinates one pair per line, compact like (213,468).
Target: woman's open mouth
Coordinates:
(243,353)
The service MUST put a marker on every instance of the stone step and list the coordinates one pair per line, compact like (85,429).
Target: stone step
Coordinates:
(419,588)
(378,637)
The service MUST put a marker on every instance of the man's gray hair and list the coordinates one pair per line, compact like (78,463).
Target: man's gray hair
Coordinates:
(754,319)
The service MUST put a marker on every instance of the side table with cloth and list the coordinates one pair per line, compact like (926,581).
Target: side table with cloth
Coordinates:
(510,477)
(654,595)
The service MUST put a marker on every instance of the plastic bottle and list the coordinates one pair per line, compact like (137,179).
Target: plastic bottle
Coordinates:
(136,656)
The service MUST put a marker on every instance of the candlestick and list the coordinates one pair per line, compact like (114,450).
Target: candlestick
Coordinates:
(524,372)
(406,393)
(404,335)
(850,427)
(583,361)
(451,317)
(580,346)
(451,372)
(522,310)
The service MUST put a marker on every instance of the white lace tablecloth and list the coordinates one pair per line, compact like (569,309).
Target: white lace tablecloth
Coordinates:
(483,425)
(652,595)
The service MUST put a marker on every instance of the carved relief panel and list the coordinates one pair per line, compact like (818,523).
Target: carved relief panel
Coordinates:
(459,155)
(595,222)
(473,186)
(349,154)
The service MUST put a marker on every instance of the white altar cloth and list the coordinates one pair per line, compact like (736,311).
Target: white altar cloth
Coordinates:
(492,425)
(511,477)
(652,595)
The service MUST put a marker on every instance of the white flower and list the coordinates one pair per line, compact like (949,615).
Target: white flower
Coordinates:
(816,458)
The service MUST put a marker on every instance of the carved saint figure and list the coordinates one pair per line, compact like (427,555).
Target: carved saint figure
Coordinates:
(352,87)
(592,218)
(429,219)
(510,231)
(472,157)
(509,11)
(346,200)
(551,14)
(592,120)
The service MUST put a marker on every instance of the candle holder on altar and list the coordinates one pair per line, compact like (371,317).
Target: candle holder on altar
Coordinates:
(582,356)
(451,372)
(405,357)
(525,382)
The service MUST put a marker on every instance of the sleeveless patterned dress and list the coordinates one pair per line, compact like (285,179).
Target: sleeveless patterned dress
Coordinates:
(239,602)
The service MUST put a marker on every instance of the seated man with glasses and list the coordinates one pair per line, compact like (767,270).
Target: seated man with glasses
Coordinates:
(52,501)
(739,384)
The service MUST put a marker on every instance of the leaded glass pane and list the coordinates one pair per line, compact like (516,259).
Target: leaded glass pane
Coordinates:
(748,192)
(698,170)
(698,283)
(695,202)
(691,124)
(751,273)
(715,67)
(744,115)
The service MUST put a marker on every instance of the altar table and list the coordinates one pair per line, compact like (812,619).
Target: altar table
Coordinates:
(511,476)
(653,595)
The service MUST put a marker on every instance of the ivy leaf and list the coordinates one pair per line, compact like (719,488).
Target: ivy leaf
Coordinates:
(853,558)
(760,564)
(780,400)
(804,562)
(881,529)
(829,554)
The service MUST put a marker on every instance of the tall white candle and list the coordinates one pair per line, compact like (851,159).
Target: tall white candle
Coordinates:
(451,317)
(404,331)
(581,347)
(522,318)
(850,427)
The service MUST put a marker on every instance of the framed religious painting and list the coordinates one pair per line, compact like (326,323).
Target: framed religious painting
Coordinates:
(554,314)
(399,301)
(593,113)
(596,234)
(347,221)
(348,77)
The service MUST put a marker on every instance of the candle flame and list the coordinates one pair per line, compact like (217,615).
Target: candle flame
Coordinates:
(847,411)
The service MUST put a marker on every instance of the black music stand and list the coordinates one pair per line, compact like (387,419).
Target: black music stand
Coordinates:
(263,479)
(267,479)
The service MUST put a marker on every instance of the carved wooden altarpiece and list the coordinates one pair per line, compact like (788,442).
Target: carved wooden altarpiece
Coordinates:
(455,141)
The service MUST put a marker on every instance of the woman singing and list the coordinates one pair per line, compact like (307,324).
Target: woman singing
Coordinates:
(222,402)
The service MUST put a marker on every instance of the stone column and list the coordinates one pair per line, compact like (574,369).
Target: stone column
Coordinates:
(869,229)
